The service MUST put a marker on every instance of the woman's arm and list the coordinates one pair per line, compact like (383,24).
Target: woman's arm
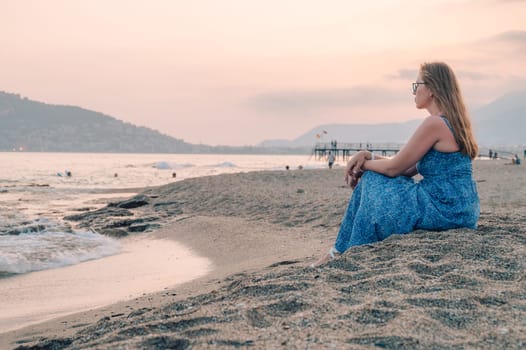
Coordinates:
(412,171)
(354,168)
(404,162)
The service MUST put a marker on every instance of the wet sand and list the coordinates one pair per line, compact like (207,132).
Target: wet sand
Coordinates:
(145,265)
(444,290)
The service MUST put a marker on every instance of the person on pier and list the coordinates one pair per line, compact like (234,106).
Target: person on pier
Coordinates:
(387,200)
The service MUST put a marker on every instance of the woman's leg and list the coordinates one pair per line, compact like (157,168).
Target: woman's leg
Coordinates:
(345,233)
(346,228)
(331,255)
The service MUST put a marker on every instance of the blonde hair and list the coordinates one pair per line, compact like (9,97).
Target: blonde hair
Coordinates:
(442,82)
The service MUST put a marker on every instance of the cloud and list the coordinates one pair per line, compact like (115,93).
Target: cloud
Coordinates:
(308,101)
(517,36)
(472,75)
(405,74)
(515,40)
(410,74)
(516,83)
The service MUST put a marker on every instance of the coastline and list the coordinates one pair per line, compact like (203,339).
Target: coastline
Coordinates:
(143,266)
(260,230)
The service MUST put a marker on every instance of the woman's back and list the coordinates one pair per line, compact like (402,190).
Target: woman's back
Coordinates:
(447,193)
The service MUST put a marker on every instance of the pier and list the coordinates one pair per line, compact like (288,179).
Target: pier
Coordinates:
(345,150)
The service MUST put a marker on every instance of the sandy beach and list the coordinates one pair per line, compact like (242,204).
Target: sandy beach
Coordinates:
(425,290)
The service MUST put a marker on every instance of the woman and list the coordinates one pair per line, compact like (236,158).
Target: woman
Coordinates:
(386,200)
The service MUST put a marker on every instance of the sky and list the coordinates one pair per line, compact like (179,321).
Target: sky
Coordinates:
(238,72)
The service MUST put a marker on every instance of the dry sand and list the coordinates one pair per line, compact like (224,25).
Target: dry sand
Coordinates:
(442,290)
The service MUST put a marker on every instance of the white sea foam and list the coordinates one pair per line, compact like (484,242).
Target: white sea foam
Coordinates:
(47,249)
(224,165)
(171,165)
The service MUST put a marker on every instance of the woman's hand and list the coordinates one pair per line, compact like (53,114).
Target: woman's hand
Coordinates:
(353,170)
(355,179)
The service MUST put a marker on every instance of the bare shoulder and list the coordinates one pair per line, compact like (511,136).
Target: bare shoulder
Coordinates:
(436,126)
(434,123)
(434,120)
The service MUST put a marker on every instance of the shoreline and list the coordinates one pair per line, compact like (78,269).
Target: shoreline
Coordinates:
(141,267)
(260,230)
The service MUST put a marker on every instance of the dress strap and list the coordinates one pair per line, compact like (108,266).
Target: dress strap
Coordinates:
(450,128)
(447,123)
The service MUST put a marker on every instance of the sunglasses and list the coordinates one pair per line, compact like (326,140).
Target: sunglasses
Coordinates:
(415,86)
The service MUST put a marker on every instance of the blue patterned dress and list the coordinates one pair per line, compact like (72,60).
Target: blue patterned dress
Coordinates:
(445,198)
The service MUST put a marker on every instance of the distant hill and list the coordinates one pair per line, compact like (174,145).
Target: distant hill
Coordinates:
(35,126)
(355,133)
(366,133)
(499,123)
(39,127)
(503,121)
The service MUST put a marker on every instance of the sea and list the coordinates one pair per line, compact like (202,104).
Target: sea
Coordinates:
(38,189)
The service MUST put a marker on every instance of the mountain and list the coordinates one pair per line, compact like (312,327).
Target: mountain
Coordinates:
(352,133)
(499,123)
(34,126)
(503,121)
(39,127)
(366,133)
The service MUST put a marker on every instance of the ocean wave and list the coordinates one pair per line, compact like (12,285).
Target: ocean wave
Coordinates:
(46,249)
(172,165)
(224,165)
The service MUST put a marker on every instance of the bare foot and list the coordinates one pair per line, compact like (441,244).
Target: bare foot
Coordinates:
(323,260)
(331,255)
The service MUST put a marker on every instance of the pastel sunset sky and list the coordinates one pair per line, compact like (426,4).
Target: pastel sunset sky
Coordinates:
(237,72)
